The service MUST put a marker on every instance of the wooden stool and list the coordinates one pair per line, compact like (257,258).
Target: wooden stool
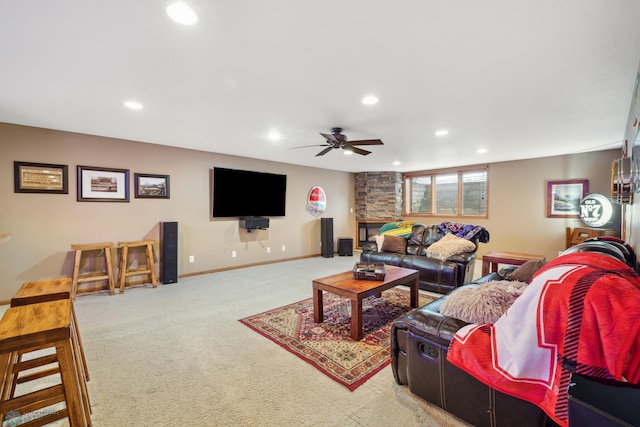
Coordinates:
(149,268)
(92,277)
(43,326)
(44,291)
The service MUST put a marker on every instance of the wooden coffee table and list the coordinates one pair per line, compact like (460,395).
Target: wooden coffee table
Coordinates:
(346,286)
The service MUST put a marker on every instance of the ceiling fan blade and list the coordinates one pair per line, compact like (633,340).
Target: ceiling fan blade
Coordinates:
(366,142)
(358,150)
(306,146)
(325,151)
(331,138)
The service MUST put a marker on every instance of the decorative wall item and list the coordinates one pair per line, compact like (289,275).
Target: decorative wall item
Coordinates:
(563,197)
(151,186)
(40,178)
(596,210)
(624,180)
(97,184)
(316,201)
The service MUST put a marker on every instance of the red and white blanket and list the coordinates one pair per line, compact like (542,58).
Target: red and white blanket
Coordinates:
(580,313)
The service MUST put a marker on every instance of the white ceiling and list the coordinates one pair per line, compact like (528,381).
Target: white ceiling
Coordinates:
(519,78)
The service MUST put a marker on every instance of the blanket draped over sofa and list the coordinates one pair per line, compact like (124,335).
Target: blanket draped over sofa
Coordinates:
(581,313)
(466,231)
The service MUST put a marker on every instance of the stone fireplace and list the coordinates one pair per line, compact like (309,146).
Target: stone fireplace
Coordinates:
(378,201)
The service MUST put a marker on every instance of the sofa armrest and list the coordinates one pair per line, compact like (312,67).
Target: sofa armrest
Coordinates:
(427,321)
(463,258)
(369,247)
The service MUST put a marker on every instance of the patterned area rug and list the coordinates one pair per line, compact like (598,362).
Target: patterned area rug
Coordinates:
(328,345)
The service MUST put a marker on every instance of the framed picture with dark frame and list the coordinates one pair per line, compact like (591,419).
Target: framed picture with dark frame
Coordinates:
(97,184)
(40,178)
(151,186)
(563,197)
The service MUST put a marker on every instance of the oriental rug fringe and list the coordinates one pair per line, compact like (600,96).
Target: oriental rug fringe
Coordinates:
(328,345)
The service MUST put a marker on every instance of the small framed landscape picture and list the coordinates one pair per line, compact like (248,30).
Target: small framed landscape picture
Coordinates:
(563,197)
(40,178)
(151,186)
(96,184)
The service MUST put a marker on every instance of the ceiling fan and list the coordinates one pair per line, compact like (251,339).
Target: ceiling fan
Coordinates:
(337,140)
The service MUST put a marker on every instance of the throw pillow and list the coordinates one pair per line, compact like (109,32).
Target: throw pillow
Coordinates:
(379,241)
(394,244)
(524,273)
(484,303)
(450,245)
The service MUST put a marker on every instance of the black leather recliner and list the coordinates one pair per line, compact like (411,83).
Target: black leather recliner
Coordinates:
(419,345)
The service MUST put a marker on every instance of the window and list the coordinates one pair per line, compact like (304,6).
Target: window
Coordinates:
(447,193)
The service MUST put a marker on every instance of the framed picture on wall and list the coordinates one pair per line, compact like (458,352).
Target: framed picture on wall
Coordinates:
(40,178)
(563,197)
(96,184)
(151,186)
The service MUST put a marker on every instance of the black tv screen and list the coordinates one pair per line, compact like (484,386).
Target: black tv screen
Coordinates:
(246,193)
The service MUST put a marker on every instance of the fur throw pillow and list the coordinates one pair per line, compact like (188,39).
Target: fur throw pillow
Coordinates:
(449,245)
(379,241)
(484,303)
(394,244)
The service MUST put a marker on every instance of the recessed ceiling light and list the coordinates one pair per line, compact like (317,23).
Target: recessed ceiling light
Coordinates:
(182,13)
(370,100)
(481,150)
(134,105)
(442,132)
(397,163)
(274,135)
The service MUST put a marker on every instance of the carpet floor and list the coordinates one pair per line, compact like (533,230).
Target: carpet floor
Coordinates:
(328,345)
(178,356)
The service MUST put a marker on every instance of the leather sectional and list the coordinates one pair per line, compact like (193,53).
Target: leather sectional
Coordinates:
(435,275)
(419,345)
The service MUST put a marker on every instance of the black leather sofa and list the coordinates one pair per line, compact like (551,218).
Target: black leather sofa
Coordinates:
(435,275)
(419,345)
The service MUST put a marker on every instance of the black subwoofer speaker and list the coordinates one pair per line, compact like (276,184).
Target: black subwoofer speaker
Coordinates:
(326,237)
(169,252)
(345,246)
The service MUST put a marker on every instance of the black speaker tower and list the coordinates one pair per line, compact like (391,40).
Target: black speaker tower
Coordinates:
(326,237)
(169,252)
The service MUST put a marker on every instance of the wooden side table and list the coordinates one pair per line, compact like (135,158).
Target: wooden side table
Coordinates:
(491,260)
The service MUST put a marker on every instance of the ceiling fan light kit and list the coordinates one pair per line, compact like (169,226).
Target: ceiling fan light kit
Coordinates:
(336,140)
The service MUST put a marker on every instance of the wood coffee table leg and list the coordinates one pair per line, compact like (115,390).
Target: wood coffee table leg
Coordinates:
(318,308)
(356,319)
(414,293)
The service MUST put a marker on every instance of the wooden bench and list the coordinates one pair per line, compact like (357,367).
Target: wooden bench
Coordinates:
(50,290)
(44,326)
(148,269)
(96,275)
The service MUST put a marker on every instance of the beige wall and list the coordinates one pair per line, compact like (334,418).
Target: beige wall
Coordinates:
(517,201)
(45,225)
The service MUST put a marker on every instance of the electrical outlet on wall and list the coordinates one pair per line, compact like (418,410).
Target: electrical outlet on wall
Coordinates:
(233,254)
(268,249)
(283,248)
(192,258)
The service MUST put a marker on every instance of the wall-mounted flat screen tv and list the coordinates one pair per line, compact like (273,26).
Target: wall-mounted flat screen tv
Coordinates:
(247,193)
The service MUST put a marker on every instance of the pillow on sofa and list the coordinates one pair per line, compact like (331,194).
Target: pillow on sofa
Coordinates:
(450,245)
(394,244)
(379,240)
(484,303)
(524,273)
